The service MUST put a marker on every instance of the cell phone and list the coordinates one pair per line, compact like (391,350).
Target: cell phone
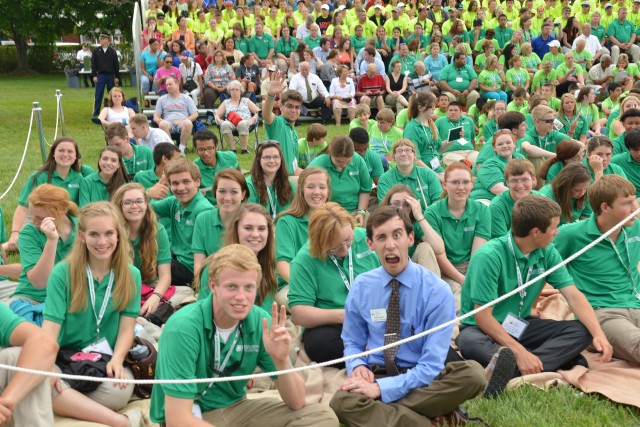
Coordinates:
(91,357)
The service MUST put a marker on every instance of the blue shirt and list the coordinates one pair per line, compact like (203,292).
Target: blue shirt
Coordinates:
(379,65)
(434,66)
(540,46)
(425,302)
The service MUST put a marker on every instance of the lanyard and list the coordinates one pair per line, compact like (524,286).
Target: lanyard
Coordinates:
(424,199)
(272,202)
(347,281)
(429,140)
(218,369)
(523,292)
(625,266)
(105,301)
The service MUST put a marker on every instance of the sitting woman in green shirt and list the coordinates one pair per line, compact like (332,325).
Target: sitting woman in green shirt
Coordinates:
(112,173)
(93,299)
(598,160)
(567,151)
(250,226)
(463,224)
(231,190)
(314,189)
(589,111)
(43,242)
(491,180)
(269,183)
(633,73)
(62,168)
(427,244)
(150,244)
(573,124)
(321,276)
(569,190)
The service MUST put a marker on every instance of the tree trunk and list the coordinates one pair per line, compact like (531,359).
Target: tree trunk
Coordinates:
(21,49)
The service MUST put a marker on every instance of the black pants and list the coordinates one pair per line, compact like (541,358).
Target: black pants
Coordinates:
(324,343)
(319,102)
(554,342)
(180,274)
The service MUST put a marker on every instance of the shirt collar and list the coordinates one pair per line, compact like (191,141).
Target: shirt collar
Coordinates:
(207,314)
(406,277)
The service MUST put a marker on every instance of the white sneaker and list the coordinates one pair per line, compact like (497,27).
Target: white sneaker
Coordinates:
(135,417)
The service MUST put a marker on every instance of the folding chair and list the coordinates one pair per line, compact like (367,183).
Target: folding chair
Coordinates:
(253,129)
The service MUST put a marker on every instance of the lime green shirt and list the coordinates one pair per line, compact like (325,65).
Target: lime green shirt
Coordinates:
(71,183)
(576,213)
(492,273)
(423,181)
(589,113)
(10,322)
(224,160)
(182,224)
(164,248)
(443,125)
(346,185)
(140,160)
(427,145)
(556,60)
(3,238)
(490,79)
(458,233)
(79,329)
(188,353)
(531,62)
(540,79)
(630,167)
(318,283)
(609,285)
(355,123)
(381,142)
(307,153)
(93,189)
(272,202)
(208,235)
(517,78)
(283,132)
(31,243)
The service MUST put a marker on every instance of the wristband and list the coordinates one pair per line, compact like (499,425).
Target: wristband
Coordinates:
(362,212)
(15,231)
(271,97)
(418,220)
(158,294)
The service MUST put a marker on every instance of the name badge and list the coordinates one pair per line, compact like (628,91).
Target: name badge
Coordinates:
(100,346)
(435,163)
(196,411)
(459,79)
(514,325)
(378,315)
(463,141)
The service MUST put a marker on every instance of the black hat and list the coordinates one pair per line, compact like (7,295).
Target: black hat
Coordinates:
(477,22)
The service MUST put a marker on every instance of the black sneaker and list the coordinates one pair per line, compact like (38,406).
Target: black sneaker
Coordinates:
(244,152)
(579,360)
(459,417)
(499,372)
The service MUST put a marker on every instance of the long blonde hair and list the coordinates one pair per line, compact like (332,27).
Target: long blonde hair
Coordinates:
(124,285)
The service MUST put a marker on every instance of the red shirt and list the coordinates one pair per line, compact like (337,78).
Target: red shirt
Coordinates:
(367,84)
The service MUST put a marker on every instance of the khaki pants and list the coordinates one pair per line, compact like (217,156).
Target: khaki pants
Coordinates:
(471,98)
(622,328)
(456,287)
(456,383)
(425,256)
(455,156)
(114,398)
(35,409)
(268,412)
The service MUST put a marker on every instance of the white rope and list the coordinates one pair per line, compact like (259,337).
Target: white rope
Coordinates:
(331,362)
(24,154)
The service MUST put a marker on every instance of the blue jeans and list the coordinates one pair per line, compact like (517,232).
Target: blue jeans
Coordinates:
(104,80)
(499,95)
(385,162)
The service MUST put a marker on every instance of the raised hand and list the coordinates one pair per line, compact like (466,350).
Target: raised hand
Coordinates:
(276,339)
(277,84)
(48,228)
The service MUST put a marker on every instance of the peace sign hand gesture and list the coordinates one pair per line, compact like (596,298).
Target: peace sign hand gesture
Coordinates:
(277,84)
(276,339)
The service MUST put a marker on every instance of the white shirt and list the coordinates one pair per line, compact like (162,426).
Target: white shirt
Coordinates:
(298,84)
(592,46)
(302,31)
(337,90)
(193,73)
(597,73)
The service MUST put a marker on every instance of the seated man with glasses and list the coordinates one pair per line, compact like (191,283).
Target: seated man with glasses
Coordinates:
(281,128)
(229,336)
(210,161)
(540,140)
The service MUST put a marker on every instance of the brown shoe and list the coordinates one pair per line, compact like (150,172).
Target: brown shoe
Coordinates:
(459,417)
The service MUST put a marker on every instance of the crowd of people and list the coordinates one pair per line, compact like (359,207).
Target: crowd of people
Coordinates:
(494,167)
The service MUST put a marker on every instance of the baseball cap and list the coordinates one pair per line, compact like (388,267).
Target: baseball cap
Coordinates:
(401,4)
(161,15)
(104,35)
(340,8)
(378,7)
(271,68)
(554,43)
(459,6)
(586,3)
(608,5)
(325,6)
(477,22)
(395,9)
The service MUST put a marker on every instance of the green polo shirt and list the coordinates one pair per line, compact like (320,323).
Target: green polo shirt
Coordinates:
(224,160)
(487,151)
(554,170)
(318,283)
(292,234)
(183,223)
(254,197)
(500,208)
(307,153)
(618,145)
(208,236)
(311,42)
(31,244)
(261,45)
(547,142)
(147,178)
(458,78)
(374,164)
(164,248)
(488,129)
(140,160)
(407,64)
(621,30)
(608,285)
(458,234)
(10,322)
(443,124)
(490,174)
(427,145)
(630,167)
(582,127)
(492,273)
(503,35)
(600,31)
(423,181)
(79,329)
(576,212)
(285,48)
(282,131)
(93,189)
(610,170)
(71,183)
(346,185)
(188,352)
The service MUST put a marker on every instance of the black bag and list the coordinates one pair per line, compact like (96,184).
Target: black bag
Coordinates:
(87,368)
(162,313)
(191,84)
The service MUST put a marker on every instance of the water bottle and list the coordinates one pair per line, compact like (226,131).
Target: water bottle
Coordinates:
(139,352)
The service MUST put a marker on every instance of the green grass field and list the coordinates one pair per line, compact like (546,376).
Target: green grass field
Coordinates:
(525,406)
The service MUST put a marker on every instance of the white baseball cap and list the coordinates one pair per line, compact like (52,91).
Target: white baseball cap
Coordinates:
(325,6)
(554,43)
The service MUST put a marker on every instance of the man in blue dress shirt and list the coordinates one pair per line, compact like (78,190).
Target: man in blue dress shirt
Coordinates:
(414,382)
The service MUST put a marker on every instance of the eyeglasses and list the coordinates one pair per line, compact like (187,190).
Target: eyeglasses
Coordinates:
(516,181)
(269,141)
(293,107)
(404,150)
(459,183)
(130,203)
(398,204)
(168,62)
(270,158)
(345,244)
(203,150)
(547,120)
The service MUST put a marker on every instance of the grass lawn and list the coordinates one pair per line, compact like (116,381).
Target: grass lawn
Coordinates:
(525,406)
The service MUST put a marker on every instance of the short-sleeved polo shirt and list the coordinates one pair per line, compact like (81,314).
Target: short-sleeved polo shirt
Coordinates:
(140,160)
(224,160)
(458,78)
(282,131)
(630,167)
(423,181)
(576,212)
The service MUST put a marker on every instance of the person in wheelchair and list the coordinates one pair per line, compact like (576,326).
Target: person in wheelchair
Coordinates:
(236,113)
